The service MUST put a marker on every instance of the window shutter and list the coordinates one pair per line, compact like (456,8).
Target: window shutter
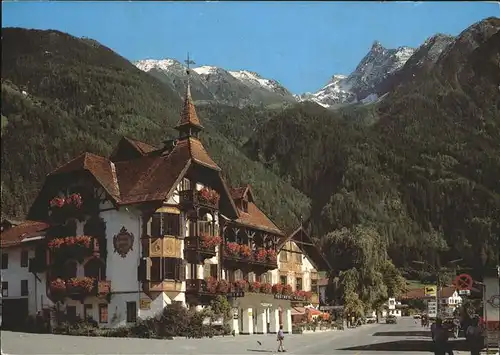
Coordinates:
(182,270)
(144,270)
(206,271)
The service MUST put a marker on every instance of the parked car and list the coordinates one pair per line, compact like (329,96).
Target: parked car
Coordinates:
(391,319)
(371,320)
(417,316)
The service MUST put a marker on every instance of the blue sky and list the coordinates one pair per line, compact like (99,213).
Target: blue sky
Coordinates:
(300,44)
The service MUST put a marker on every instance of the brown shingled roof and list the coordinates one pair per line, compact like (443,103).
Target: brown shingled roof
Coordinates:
(14,236)
(142,147)
(188,114)
(257,219)
(101,168)
(198,152)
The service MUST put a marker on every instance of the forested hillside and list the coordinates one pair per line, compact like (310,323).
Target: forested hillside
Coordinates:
(62,95)
(424,180)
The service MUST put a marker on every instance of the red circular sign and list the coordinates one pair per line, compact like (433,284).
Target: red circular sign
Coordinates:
(463,282)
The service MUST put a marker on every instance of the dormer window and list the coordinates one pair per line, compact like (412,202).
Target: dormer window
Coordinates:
(185,185)
(244,205)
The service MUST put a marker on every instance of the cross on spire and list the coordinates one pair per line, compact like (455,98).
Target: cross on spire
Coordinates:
(188,62)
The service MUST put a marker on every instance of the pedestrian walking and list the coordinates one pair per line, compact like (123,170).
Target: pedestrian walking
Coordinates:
(281,339)
(474,337)
(440,337)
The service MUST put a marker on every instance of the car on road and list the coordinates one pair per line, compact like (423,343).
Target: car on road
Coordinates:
(391,319)
(371,320)
(417,316)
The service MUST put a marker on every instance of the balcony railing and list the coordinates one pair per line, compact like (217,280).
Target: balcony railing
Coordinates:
(196,286)
(205,197)
(239,253)
(79,288)
(205,245)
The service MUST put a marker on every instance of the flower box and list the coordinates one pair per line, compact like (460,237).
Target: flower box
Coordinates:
(80,285)
(212,284)
(210,242)
(261,255)
(223,286)
(77,247)
(277,288)
(254,286)
(241,285)
(266,288)
(245,251)
(58,289)
(287,290)
(271,256)
(208,196)
(233,249)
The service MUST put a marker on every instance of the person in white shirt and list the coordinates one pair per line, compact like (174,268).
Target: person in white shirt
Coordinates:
(281,338)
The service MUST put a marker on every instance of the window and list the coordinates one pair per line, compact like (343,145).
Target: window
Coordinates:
(165,224)
(5,261)
(103,313)
(238,275)
(206,271)
(194,271)
(283,256)
(214,272)
(71,313)
(314,285)
(168,269)
(298,283)
(24,287)
(283,280)
(131,312)
(87,312)
(185,185)
(5,289)
(244,205)
(298,257)
(95,268)
(24,258)
(230,276)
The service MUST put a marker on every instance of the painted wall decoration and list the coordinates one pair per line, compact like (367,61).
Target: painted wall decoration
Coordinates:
(123,242)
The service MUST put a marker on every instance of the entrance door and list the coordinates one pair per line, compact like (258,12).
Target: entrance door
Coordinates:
(14,313)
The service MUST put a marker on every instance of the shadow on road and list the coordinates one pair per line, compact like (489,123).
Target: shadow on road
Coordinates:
(260,351)
(406,345)
(415,333)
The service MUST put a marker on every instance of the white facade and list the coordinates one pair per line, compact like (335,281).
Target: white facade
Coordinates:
(392,309)
(15,274)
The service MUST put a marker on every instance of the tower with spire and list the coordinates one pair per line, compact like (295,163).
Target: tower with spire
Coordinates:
(189,124)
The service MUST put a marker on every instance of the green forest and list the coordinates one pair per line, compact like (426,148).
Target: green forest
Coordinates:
(414,177)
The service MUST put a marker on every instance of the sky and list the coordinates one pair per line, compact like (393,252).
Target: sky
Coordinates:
(299,44)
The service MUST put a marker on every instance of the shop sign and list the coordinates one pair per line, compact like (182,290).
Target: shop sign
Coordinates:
(144,304)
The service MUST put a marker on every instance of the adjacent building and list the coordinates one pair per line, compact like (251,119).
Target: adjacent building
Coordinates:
(119,238)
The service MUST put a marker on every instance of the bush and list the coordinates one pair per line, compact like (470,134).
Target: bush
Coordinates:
(146,328)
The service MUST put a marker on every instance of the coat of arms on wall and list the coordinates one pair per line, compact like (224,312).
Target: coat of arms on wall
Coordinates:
(123,242)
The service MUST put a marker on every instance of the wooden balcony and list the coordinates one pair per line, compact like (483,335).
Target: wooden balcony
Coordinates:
(201,248)
(194,198)
(81,288)
(252,261)
(196,286)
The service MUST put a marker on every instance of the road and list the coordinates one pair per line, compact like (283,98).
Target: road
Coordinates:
(403,338)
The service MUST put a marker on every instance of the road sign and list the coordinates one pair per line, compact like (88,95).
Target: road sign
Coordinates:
(463,282)
(430,291)
(464,292)
(494,301)
(432,309)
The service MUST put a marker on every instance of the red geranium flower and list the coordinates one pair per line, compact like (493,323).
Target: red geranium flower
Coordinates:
(245,251)
(271,255)
(223,286)
(266,288)
(255,286)
(261,255)
(233,249)
(287,290)
(277,288)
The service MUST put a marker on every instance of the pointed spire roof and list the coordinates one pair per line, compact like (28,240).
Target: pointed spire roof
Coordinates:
(189,117)
(188,113)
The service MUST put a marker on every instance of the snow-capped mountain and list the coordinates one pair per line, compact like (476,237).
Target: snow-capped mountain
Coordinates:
(361,84)
(210,83)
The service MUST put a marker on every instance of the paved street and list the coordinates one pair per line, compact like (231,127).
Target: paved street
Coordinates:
(397,339)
